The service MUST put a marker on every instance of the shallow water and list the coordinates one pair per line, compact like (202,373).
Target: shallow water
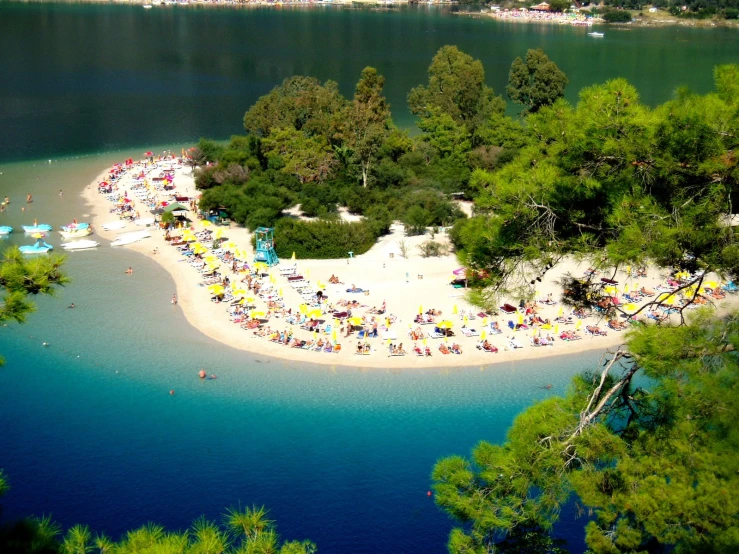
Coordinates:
(339,455)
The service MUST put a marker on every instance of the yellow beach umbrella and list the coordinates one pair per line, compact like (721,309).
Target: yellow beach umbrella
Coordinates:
(455,310)
(216,289)
(626,288)
(205,223)
(578,325)
(556,329)
(610,290)
(561,311)
(485,321)
(256,314)
(387,322)
(547,326)
(711,284)
(631,307)
(420,309)
(280,291)
(218,234)
(293,259)
(446,324)
(424,341)
(314,314)
(231,245)
(484,335)
(260,266)
(333,335)
(355,320)
(466,320)
(534,332)
(520,319)
(239,292)
(303,308)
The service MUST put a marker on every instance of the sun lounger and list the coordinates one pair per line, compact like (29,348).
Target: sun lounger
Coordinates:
(436,335)
(470,332)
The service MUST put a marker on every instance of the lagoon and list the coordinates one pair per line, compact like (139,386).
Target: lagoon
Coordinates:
(85,78)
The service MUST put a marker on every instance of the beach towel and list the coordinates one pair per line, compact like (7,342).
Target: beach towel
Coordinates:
(355,290)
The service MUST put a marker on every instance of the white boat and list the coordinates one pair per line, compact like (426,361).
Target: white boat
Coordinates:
(80,244)
(39,247)
(148,6)
(76,234)
(130,238)
(114,225)
(5,229)
(146,221)
(596,35)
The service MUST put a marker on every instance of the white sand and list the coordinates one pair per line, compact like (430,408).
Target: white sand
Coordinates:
(405,284)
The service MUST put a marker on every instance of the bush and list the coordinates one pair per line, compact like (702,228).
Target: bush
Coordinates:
(616,16)
(416,219)
(322,239)
(432,248)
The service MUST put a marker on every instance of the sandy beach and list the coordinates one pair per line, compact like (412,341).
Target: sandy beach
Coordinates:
(405,285)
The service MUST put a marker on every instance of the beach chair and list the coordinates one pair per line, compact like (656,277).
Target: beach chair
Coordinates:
(730,287)
(436,335)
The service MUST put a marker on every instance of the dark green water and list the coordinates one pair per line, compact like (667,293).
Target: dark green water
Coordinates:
(79,78)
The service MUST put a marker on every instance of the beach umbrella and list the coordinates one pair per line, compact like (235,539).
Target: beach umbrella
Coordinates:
(424,341)
(446,324)
(293,257)
(256,314)
(534,332)
(484,335)
(219,233)
(216,289)
(333,335)
(578,325)
(466,320)
(626,288)
(280,292)
(231,245)
(610,290)
(303,308)
(711,284)
(239,292)
(631,307)
(260,266)
(205,223)
(547,326)
(561,311)
(420,309)
(355,320)
(520,319)
(455,310)
(485,321)
(314,314)
(556,329)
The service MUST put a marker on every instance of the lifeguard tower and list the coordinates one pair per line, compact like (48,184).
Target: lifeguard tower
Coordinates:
(265,252)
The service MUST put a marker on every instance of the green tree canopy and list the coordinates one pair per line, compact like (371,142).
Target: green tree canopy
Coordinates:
(299,103)
(537,82)
(656,459)
(457,89)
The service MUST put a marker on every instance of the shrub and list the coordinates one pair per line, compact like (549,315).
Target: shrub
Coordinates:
(322,239)
(432,248)
(616,16)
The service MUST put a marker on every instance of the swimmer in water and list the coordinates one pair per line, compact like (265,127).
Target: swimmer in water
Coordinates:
(129,271)
(202,374)
(213,376)
(71,305)
(29,198)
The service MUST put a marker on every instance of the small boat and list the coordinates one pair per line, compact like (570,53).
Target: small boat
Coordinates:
(80,244)
(145,222)
(76,234)
(39,247)
(5,230)
(74,226)
(596,34)
(43,228)
(148,6)
(114,225)
(130,238)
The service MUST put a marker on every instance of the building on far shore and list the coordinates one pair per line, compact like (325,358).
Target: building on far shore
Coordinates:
(543,7)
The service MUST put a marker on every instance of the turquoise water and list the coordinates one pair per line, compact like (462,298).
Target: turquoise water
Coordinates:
(340,455)
(91,77)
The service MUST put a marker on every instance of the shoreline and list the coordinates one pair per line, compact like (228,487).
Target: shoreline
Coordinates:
(212,320)
(391,283)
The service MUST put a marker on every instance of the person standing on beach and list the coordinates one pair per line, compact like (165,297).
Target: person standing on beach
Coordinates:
(174,299)
(29,198)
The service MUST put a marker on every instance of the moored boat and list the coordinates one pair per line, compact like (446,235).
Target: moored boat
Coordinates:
(113,225)
(39,247)
(36,228)
(80,244)
(130,238)
(74,226)
(596,34)
(77,233)
(5,229)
